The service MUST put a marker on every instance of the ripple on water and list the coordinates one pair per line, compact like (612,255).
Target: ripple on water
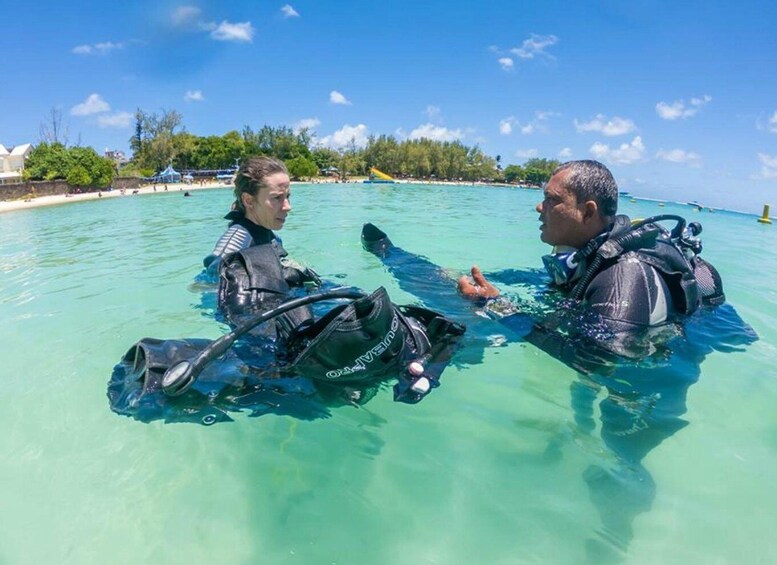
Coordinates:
(513,457)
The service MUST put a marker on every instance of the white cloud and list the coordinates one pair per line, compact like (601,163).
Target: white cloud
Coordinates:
(506,63)
(193,96)
(565,153)
(343,137)
(184,16)
(768,160)
(433,112)
(535,46)
(768,167)
(678,109)
(337,98)
(680,156)
(506,125)
(190,18)
(227,31)
(544,115)
(436,133)
(117,120)
(94,104)
(626,154)
(611,127)
(306,123)
(98,48)
(289,12)
(526,153)
(770,125)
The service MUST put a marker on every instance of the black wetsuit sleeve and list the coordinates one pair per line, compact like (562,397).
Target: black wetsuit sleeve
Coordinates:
(628,296)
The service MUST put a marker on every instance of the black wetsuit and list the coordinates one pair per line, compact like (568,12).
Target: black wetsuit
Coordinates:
(241,234)
(630,294)
(255,272)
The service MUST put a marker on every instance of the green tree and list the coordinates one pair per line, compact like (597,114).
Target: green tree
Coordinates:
(82,165)
(152,142)
(47,162)
(301,167)
(281,142)
(184,149)
(514,173)
(324,158)
(99,169)
(79,176)
(536,176)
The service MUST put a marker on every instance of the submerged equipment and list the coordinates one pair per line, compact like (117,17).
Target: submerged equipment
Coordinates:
(364,340)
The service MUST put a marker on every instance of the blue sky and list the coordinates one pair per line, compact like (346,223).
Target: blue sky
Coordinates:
(679,99)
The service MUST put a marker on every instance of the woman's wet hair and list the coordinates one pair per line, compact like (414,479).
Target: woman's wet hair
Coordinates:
(252,174)
(590,180)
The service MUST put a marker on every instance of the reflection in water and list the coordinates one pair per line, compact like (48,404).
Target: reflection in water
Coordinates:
(643,406)
(644,399)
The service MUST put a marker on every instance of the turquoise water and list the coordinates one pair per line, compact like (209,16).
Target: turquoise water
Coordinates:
(493,467)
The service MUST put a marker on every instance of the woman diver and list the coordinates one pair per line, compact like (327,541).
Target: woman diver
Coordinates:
(349,349)
(262,204)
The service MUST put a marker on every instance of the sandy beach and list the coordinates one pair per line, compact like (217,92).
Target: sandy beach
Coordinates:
(56,199)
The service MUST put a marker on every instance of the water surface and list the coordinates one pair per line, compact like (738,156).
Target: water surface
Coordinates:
(494,467)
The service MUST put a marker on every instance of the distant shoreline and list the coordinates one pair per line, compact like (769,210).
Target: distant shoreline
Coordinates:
(59,199)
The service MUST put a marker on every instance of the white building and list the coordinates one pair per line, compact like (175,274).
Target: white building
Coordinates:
(117,156)
(12,162)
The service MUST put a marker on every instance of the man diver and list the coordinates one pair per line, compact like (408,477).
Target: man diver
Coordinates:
(628,279)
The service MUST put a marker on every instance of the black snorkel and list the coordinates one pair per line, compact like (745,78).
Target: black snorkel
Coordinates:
(181,376)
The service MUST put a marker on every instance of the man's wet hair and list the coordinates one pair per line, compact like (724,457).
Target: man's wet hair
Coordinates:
(251,175)
(590,180)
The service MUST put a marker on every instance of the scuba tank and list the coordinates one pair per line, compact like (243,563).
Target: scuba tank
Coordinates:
(674,253)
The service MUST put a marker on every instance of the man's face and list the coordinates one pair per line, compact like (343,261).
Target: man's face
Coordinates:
(270,206)
(561,215)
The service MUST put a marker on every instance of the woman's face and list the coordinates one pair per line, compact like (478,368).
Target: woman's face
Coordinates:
(270,206)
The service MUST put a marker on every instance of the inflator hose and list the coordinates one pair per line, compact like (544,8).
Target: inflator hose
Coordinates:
(181,376)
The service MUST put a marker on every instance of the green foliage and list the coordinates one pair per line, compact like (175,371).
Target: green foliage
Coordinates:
(534,171)
(78,176)
(280,142)
(300,167)
(514,173)
(536,176)
(159,138)
(47,162)
(79,166)
(153,141)
(99,169)
(325,158)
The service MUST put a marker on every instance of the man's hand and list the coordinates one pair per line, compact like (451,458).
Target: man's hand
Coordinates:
(478,289)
